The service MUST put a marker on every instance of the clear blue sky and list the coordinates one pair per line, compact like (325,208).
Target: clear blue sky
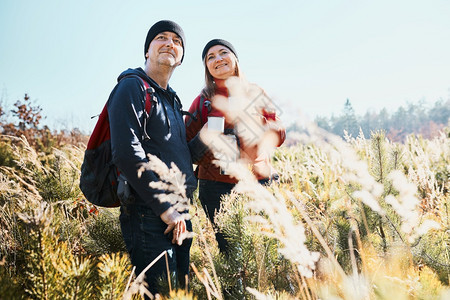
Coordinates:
(310,56)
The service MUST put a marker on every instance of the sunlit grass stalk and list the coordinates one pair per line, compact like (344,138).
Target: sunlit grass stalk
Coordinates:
(205,279)
(318,236)
(168,272)
(303,286)
(130,278)
(207,252)
(138,286)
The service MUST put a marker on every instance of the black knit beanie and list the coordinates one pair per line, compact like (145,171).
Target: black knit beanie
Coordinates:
(216,42)
(161,26)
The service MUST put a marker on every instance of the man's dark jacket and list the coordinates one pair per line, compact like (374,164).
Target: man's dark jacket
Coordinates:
(165,127)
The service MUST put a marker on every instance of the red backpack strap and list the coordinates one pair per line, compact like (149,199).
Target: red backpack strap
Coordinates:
(149,98)
(204,113)
(149,94)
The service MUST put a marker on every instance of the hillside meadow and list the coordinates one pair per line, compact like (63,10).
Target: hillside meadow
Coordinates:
(354,218)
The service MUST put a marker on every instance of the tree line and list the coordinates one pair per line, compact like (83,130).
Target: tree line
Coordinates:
(414,118)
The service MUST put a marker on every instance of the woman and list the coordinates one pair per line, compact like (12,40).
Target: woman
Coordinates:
(221,63)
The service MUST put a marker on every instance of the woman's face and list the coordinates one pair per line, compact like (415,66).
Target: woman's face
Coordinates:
(221,62)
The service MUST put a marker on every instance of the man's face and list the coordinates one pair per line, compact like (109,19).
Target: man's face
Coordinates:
(166,49)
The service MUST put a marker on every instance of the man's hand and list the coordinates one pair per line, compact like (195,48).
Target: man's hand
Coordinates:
(176,223)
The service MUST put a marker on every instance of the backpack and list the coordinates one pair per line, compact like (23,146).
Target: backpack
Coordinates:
(99,176)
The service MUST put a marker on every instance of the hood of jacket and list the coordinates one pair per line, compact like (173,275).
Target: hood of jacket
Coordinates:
(141,73)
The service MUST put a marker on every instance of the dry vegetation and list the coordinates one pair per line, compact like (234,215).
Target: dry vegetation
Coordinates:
(361,218)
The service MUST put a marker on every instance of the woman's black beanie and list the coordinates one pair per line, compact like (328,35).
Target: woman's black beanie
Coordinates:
(161,26)
(216,42)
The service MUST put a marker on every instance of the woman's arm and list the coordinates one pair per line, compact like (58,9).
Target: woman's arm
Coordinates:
(194,126)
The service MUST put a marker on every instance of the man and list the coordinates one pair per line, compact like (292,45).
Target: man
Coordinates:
(147,223)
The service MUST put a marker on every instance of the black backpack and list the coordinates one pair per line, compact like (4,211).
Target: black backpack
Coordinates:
(99,176)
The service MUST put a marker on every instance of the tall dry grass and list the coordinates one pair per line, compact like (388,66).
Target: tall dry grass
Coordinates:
(363,218)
